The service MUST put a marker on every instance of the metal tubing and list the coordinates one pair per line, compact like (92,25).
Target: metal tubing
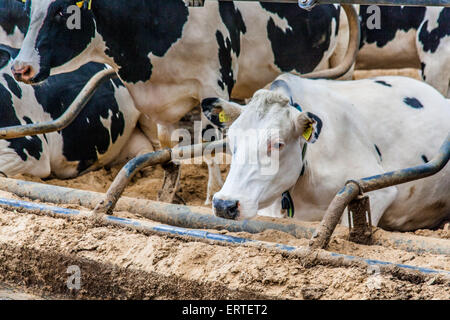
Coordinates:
(125,175)
(201,217)
(336,208)
(309,4)
(322,257)
(67,117)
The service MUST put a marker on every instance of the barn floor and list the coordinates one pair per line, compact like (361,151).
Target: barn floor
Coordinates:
(36,250)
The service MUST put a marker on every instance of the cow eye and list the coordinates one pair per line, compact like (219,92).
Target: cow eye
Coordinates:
(60,16)
(278,145)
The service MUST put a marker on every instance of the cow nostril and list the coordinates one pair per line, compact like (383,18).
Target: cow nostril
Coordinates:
(26,71)
(228,209)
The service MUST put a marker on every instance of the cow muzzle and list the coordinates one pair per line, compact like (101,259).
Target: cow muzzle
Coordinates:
(23,72)
(228,209)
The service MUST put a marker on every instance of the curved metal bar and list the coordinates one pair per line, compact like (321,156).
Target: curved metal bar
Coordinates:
(67,117)
(125,175)
(336,208)
(303,253)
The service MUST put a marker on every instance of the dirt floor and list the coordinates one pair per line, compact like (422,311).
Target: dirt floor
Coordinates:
(36,250)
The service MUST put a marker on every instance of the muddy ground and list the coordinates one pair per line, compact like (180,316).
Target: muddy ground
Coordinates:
(35,252)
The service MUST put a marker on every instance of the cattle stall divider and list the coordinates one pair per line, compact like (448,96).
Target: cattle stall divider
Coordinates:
(181,217)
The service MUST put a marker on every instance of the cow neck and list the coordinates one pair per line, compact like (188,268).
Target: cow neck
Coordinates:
(286,200)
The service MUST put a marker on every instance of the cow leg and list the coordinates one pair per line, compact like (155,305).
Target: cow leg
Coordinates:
(437,74)
(434,54)
(170,189)
(215,181)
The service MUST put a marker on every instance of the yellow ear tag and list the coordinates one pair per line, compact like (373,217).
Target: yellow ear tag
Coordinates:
(223,117)
(81,3)
(308,133)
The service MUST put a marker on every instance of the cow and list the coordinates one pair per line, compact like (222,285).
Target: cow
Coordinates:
(327,132)
(13,23)
(406,37)
(170,56)
(104,133)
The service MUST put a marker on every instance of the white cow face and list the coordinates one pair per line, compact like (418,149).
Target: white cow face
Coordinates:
(266,139)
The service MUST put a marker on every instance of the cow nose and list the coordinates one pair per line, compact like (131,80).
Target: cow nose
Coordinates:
(24,73)
(227,209)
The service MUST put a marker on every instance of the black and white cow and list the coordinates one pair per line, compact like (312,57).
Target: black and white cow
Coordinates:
(170,56)
(13,23)
(408,37)
(104,133)
(309,137)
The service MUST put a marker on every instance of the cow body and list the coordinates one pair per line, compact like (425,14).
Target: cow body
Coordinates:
(171,57)
(13,23)
(409,37)
(103,133)
(359,129)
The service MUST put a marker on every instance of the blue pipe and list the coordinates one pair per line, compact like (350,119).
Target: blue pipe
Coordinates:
(31,207)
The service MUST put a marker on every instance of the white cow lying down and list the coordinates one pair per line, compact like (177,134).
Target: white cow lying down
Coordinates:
(359,129)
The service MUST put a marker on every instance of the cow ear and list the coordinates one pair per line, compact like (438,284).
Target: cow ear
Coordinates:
(220,112)
(306,127)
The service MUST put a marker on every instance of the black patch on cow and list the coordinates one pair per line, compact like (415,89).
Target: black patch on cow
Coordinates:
(22,146)
(413,103)
(207,107)
(318,125)
(13,86)
(225,60)
(56,43)
(232,18)
(302,48)
(14,15)
(281,84)
(430,40)
(82,139)
(424,158)
(392,19)
(378,151)
(134,29)
(6,54)
(210,137)
(384,83)
(4,58)
(422,69)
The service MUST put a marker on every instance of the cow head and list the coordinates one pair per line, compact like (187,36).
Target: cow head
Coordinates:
(59,31)
(267,129)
